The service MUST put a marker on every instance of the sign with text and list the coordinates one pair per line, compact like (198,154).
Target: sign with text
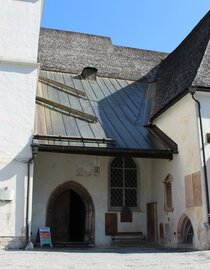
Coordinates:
(45,236)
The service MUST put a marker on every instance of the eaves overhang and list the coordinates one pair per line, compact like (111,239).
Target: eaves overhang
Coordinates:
(138,153)
(177,98)
(201,88)
(168,105)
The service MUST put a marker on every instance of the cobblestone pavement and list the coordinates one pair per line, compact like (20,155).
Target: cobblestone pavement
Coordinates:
(104,258)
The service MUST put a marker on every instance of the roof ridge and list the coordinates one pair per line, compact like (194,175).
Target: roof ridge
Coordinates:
(103,37)
(69,52)
(146,50)
(77,33)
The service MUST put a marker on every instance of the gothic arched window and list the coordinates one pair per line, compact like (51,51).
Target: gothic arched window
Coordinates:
(123,187)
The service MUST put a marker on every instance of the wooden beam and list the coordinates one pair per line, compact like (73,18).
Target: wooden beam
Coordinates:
(71,111)
(62,87)
(73,138)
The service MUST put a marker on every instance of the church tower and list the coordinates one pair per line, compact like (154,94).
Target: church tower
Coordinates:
(19,70)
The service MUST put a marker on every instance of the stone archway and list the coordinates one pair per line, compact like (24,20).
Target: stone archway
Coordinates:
(185,231)
(59,199)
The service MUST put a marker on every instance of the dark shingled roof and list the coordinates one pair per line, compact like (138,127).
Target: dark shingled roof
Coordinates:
(70,52)
(202,78)
(188,64)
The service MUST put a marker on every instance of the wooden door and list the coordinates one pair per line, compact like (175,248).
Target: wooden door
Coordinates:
(152,232)
(60,218)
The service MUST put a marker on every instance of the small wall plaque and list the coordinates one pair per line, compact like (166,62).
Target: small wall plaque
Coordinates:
(6,195)
(126,215)
(87,168)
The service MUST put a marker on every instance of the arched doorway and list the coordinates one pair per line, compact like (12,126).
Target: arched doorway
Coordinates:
(71,215)
(185,231)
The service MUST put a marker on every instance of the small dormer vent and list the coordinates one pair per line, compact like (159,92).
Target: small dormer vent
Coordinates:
(89,72)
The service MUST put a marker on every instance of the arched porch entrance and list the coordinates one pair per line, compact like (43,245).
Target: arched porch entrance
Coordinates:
(185,231)
(71,214)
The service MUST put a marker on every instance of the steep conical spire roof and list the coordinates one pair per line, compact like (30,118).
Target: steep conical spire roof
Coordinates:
(188,64)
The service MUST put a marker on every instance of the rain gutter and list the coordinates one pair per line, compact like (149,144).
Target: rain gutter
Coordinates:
(28,195)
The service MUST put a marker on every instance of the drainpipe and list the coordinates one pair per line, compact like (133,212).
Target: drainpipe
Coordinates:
(28,195)
(193,91)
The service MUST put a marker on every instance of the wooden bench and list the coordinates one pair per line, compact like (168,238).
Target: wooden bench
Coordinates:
(129,239)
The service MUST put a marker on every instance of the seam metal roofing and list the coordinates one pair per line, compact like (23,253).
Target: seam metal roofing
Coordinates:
(120,107)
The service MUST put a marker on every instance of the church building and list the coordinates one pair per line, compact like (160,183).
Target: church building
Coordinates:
(105,145)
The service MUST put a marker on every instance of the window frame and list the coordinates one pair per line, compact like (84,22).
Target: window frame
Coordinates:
(119,209)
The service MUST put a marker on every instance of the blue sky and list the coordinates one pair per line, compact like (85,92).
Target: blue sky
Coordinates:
(147,24)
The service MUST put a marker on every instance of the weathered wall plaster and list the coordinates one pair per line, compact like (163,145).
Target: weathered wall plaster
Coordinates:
(180,123)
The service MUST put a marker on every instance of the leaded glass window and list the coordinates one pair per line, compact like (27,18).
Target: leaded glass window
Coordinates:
(123,183)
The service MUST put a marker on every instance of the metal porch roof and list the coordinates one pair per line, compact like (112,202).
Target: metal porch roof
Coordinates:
(106,115)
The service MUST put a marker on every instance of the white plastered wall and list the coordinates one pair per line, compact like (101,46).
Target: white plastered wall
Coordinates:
(16,130)
(204,99)
(19,30)
(180,123)
(52,170)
